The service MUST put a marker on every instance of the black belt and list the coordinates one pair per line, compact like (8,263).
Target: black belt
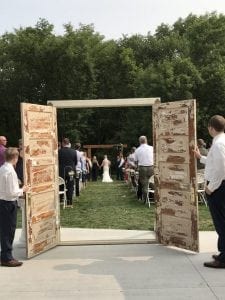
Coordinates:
(10,201)
(146,166)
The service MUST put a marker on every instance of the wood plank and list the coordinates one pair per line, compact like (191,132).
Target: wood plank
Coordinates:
(128,102)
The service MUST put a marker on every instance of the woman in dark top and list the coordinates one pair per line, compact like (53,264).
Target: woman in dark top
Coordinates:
(95,168)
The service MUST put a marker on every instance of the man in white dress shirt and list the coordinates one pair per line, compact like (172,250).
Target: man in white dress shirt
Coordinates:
(9,193)
(215,188)
(144,160)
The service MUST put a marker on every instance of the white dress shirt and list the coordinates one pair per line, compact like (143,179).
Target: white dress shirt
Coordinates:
(79,165)
(131,160)
(9,186)
(144,155)
(121,162)
(215,163)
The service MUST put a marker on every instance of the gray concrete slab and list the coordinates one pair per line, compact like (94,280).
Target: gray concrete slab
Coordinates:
(126,272)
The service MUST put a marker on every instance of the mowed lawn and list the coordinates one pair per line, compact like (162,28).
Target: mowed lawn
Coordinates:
(114,205)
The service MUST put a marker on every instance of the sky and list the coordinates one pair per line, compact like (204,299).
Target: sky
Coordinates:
(111,18)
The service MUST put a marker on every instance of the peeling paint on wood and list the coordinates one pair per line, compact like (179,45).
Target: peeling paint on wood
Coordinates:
(39,129)
(175,170)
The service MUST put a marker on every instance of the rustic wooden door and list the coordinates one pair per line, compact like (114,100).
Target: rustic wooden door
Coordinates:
(175,174)
(39,132)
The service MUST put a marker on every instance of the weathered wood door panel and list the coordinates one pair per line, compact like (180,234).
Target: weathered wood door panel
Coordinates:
(175,172)
(39,130)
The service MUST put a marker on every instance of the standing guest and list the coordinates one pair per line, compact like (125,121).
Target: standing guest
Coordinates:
(19,164)
(203,151)
(3,142)
(144,160)
(215,188)
(121,166)
(117,167)
(95,168)
(9,193)
(89,167)
(67,163)
(78,169)
(84,168)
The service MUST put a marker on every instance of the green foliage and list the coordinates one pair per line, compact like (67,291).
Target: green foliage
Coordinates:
(183,61)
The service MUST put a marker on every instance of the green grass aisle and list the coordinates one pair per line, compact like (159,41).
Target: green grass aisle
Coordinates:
(108,205)
(114,205)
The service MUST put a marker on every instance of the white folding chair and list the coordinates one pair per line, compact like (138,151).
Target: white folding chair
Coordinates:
(150,189)
(201,188)
(61,182)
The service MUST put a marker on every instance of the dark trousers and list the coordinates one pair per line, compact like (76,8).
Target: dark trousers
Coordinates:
(8,217)
(216,202)
(77,184)
(117,173)
(120,170)
(70,188)
(139,190)
(94,174)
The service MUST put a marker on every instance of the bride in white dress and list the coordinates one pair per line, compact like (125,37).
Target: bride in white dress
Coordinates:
(106,164)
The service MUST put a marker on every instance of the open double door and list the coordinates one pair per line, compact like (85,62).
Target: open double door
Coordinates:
(175,184)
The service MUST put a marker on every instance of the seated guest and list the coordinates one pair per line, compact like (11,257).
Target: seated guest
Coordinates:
(131,159)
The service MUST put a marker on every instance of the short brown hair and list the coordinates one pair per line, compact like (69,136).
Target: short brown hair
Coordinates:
(217,122)
(11,153)
(66,141)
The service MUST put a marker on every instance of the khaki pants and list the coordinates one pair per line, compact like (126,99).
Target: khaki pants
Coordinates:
(144,175)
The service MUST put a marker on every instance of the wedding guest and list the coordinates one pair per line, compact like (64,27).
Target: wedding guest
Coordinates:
(9,193)
(78,169)
(84,167)
(67,163)
(89,167)
(19,164)
(117,167)
(144,160)
(215,187)
(131,159)
(120,167)
(3,142)
(203,151)
(95,168)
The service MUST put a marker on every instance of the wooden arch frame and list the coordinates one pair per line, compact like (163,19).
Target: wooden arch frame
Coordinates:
(127,102)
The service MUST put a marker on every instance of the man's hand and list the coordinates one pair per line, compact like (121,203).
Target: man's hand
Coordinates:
(25,188)
(208,192)
(197,153)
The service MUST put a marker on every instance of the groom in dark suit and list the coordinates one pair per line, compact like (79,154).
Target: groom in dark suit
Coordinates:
(67,163)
